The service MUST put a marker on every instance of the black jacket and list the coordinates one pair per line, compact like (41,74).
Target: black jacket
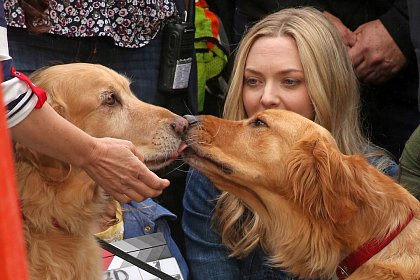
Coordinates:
(353,13)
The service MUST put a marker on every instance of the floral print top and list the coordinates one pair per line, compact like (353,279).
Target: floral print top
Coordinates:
(130,23)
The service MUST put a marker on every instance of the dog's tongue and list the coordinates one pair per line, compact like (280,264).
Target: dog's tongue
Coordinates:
(181,147)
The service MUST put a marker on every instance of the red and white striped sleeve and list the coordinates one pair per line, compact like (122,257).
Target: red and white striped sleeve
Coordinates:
(20,96)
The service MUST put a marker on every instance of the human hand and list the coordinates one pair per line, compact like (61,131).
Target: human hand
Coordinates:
(118,168)
(375,55)
(349,38)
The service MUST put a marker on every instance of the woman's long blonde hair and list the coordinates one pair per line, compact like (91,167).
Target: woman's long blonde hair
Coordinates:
(333,89)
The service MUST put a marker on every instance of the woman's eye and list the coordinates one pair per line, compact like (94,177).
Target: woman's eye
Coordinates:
(251,82)
(291,82)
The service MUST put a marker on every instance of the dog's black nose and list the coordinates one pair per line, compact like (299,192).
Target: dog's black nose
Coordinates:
(180,125)
(192,120)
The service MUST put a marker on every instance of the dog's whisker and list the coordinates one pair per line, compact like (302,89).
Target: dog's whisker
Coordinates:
(188,109)
(218,129)
(189,178)
(177,168)
(194,140)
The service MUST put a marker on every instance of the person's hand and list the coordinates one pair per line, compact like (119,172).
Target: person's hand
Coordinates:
(118,168)
(375,55)
(349,38)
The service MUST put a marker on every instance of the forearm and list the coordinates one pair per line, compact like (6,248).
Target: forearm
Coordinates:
(47,132)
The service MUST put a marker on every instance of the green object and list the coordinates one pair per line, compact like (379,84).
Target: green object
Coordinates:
(211,58)
(410,164)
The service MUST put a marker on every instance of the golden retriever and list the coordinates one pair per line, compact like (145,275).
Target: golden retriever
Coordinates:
(60,203)
(317,205)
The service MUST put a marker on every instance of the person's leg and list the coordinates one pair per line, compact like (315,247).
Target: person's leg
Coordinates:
(31,52)
(140,65)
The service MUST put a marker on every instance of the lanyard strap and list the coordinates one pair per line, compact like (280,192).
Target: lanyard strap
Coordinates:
(141,264)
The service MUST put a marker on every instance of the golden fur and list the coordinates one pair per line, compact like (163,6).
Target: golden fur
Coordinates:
(316,205)
(61,204)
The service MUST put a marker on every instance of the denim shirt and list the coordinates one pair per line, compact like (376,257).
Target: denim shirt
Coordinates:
(206,255)
(146,217)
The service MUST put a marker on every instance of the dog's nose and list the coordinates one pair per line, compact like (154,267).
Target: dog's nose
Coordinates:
(192,120)
(180,125)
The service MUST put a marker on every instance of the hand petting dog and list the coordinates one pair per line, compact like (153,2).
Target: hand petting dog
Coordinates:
(117,166)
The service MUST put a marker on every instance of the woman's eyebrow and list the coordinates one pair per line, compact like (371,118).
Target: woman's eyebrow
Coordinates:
(282,71)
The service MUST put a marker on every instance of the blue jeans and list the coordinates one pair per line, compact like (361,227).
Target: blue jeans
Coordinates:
(31,52)
(206,256)
(141,218)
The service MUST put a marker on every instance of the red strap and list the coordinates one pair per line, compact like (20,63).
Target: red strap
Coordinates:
(366,251)
(39,92)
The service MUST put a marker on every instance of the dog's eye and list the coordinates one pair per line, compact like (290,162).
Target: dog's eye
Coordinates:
(109,99)
(259,123)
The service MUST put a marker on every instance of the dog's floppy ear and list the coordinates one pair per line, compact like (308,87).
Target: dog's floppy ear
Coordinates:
(318,176)
(50,84)
(52,170)
(59,107)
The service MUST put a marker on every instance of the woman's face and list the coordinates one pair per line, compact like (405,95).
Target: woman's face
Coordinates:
(274,78)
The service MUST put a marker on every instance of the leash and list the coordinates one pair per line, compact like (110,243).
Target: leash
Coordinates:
(141,264)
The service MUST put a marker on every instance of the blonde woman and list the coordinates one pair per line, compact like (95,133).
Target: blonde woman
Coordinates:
(293,59)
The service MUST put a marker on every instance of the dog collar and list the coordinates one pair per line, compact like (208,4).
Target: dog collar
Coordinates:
(39,92)
(366,251)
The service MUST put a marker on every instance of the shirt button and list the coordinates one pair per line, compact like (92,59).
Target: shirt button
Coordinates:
(147,228)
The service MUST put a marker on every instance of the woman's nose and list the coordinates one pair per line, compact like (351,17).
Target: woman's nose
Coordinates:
(270,97)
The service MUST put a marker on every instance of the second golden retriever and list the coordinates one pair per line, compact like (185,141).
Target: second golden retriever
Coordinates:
(320,209)
(61,205)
